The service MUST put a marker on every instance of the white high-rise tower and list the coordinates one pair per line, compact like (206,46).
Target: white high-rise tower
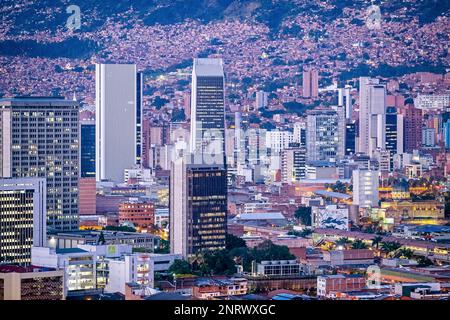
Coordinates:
(116,96)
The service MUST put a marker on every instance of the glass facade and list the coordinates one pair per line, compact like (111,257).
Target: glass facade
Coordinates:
(207,203)
(16,226)
(87,150)
(43,141)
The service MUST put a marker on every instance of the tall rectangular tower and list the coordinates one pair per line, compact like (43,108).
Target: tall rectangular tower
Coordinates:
(325,135)
(198,207)
(22,218)
(208,111)
(116,103)
(40,138)
(372,116)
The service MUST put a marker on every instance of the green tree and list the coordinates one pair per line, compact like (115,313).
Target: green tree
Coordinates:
(359,244)
(220,262)
(344,241)
(404,253)
(101,239)
(234,242)
(267,250)
(390,247)
(424,262)
(180,267)
(164,247)
(376,241)
(304,215)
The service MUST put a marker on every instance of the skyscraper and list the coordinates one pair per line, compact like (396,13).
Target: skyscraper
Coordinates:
(293,164)
(325,135)
(345,100)
(139,95)
(39,138)
(372,115)
(87,148)
(394,133)
(412,127)
(350,138)
(22,218)
(116,103)
(198,207)
(310,83)
(198,183)
(208,111)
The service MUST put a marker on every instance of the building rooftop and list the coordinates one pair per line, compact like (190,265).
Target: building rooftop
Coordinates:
(261,216)
(37,101)
(332,194)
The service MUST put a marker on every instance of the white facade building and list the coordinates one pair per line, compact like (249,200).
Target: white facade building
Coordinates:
(372,116)
(138,268)
(116,99)
(365,188)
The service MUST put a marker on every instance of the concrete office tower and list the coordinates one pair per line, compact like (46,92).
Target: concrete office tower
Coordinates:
(198,208)
(325,135)
(239,141)
(40,138)
(293,165)
(310,84)
(345,100)
(262,99)
(372,115)
(22,218)
(365,188)
(208,111)
(412,127)
(116,97)
(139,96)
(300,133)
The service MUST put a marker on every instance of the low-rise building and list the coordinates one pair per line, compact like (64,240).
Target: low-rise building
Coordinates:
(137,268)
(328,285)
(31,283)
(214,288)
(349,257)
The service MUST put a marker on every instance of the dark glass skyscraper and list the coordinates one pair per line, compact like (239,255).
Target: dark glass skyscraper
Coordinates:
(391,130)
(198,208)
(350,138)
(87,149)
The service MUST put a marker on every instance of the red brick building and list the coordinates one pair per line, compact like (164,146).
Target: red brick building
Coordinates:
(141,214)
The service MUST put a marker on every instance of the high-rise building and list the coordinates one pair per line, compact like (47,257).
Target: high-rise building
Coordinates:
(350,138)
(22,218)
(139,96)
(87,148)
(325,132)
(208,111)
(365,188)
(293,164)
(198,207)
(412,127)
(372,115)
(345,100)
(116,103)
(310,83)
(40,138)
(394,133)
(447,134)
(262,99)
